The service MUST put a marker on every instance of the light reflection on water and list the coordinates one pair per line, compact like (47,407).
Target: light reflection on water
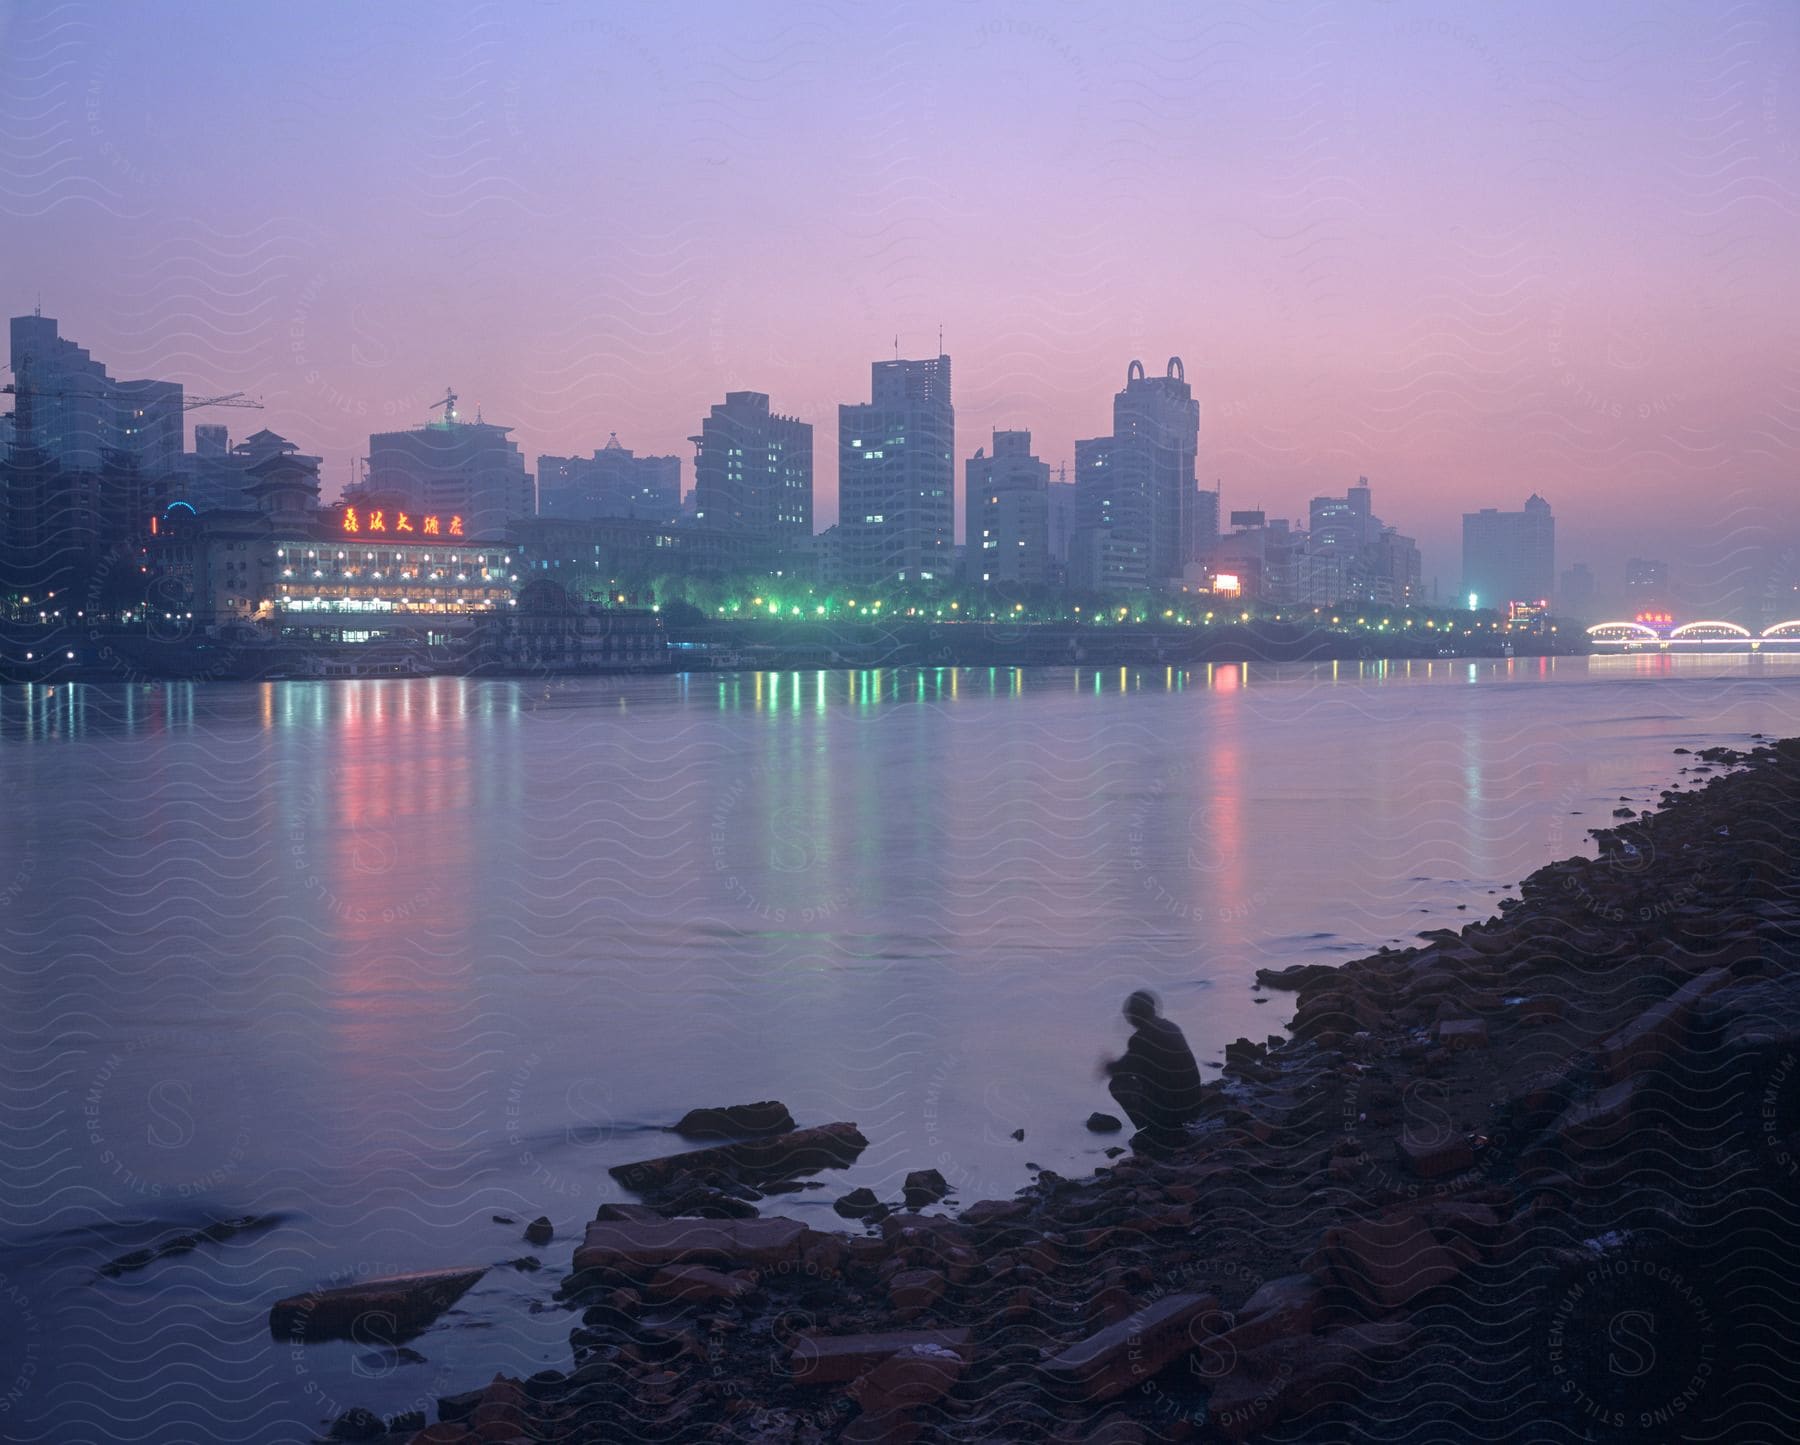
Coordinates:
(391,957)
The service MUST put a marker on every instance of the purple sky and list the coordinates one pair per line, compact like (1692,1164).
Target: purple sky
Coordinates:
(1468,250)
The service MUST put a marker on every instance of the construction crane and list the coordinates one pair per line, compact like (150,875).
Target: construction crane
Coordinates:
(236,398)
(448,404)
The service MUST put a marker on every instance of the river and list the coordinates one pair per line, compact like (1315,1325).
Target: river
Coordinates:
(385,959)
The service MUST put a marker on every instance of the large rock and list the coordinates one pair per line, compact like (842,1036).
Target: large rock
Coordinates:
(830,1359)
(913,1291)
(1388,1263)
(924,1186)
(1129,1352)
(1647,1040)
(394,1305)
(1281,1309)
(1292,1375)
(696,1284)
(639,1247)
(1295,975)
(777,1156)
(894,1391)
(736,1121)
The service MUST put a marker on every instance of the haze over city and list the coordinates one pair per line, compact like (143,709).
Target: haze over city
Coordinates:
(915,724)
(1470,255)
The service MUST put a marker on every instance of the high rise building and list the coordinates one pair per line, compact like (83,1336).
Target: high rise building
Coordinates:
(1369,562)
(1575,591)
(1205,527)
(1061,513)
(1509,556)
(614,482)
(1647,585)
(753,469)
(1007,496)
(450,467)
(1344,523)
(1140,481)
(76,413)
(897,475)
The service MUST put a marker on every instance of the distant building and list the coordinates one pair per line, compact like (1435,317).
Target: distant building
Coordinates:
(1104,560)
(1139,481)
(1007,496)
(588,557)
(1388,571)
(1204,529)
(613,482)
(450,467)
(1268,561)
(215,474)
(1647,585)
(897,475)
(1061,513)
(1344,523)
(753,469)
(1509,556)
(68,406)
(1575,591)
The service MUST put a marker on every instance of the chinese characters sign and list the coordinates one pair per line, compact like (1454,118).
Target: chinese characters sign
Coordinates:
(379,519)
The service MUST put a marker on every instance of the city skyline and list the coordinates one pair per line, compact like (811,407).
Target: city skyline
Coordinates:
(1441,326)
(454,461)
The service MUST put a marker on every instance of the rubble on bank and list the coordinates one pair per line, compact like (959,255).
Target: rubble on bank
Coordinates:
(1414,1219)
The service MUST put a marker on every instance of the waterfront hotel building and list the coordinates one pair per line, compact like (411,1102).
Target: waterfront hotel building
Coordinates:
(286,560)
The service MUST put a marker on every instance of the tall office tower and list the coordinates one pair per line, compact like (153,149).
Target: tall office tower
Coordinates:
(211,441)
(76,413)
(453,468)
(1509,556)
(614,482)
(897,475)
(1140,481)
(1007,500)
(1647,585)
(1062,517)
(1575,592)
(1344,523)
(753,469)
(1205,528)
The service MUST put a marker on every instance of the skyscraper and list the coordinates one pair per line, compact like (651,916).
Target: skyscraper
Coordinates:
(455,468)
(1509,556)
(1007,502)
(614,482)
(1647,585)
(1139,483)
(76,412)
(753,469)
(897,475)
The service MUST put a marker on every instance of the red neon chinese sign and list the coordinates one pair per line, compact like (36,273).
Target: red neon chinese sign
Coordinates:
(377,519)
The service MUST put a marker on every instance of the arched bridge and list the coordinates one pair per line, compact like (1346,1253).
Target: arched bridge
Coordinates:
(1707,635)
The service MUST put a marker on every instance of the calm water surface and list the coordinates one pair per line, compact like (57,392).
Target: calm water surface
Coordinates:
(385,959)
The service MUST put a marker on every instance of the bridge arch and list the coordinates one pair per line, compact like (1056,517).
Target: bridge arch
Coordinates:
(1621,631)
(1783,629)
(1709,629)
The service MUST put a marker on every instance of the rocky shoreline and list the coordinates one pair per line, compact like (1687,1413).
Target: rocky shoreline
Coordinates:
(1536,1180)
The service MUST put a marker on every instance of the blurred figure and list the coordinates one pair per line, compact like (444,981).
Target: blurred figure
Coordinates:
(1157,1082)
